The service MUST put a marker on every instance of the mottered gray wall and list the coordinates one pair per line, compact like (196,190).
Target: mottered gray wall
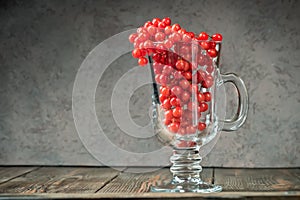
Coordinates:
(43,44)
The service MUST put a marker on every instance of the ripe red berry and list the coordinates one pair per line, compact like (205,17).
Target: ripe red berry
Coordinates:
(180,64)
(212,52)
(176,27)
(207,96)
(165,91)
(147,24)
(186,38)
(184,84)
(169,115)
(161,25)
(203,36)
(160,36)
(151,30)
(155,21)
(136,53)
(166,104)
(201,126)
(204,45)
(185,97)
(173,127)
(132,37)
(200,97)
(142,61)
(203,107)
(176,90)
(187,75)
(168,30)
(175,101)
(168,43)
(167,21)
(177,112)
(217,37)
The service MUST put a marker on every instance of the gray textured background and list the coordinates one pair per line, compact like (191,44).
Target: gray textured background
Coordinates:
(43,44)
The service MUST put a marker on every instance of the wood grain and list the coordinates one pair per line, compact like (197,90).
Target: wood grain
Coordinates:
(129,182)
(258,179)
(8,173)
(60,180)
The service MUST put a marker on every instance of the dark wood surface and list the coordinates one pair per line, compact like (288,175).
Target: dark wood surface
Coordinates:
(101,182)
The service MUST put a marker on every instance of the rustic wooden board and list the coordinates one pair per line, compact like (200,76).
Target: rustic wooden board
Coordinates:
(141,182)
(60,180)
(8,173)
(258,179)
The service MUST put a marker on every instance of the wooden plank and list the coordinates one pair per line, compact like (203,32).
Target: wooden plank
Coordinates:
(60,179)
(129,182)
(169,196)
(8,173)
(258,179)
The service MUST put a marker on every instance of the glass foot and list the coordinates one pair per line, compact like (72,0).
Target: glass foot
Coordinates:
(200,187)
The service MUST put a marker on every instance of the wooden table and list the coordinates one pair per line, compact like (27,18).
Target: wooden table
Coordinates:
(101,182)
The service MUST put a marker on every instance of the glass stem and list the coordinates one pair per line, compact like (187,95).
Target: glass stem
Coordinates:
(186,165)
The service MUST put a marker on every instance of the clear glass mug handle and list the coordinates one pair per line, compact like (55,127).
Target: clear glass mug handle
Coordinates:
(243,101)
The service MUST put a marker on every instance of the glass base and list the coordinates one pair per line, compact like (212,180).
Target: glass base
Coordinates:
(187,186)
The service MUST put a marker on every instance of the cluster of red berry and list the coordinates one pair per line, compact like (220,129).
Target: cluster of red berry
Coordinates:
(179,71)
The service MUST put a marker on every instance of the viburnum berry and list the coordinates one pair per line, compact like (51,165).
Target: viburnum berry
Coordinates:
(173,127)
(176,90)
(187,75)
(168,30)
(184,84)
(175,101)
(186,38)
(142,61)
(185,97)
(212,52)
(155,21)
(169,115)
(132,37)
(161,25)
(176,27)
(200,97)
(182,31)
(147,24)
(167,21)
(203,36)
(168,43)
(201,126)
(217,37)
(207,96)
(204,45)
(159,36)
(165,91)
(152,30)
(177,112)
(203,107)
(166,104)
(136,53)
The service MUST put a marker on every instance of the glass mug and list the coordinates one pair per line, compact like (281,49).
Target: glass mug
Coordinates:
(189,109)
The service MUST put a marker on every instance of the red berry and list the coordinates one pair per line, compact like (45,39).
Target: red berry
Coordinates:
(167,122)
(203,36)
(186,38)
(147,24)
(191,34)
(178,75)
(166,104)
(212,52)
(187,75)
(200,97)
(185,97)
(208,82)
(173,127)
(169,115)
(167,70)
(167,21)
(161,25)
(212,45)
(184,84)
(155,21)
(176,27)
(201,126)
(203,107)
(160,36)
(201,75)
(152,30)
(165,91)
(176,37)
(168,43)
(157,67)
(168,30)
(204,45)
(180,64)
(162,97)
(136,53)
(148,44)
(176,90)
(163,79)
(217,37)
(207,96)
(175,101)
(177,112)
(132,37)
(190,129)
(142,61)
(182,31)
